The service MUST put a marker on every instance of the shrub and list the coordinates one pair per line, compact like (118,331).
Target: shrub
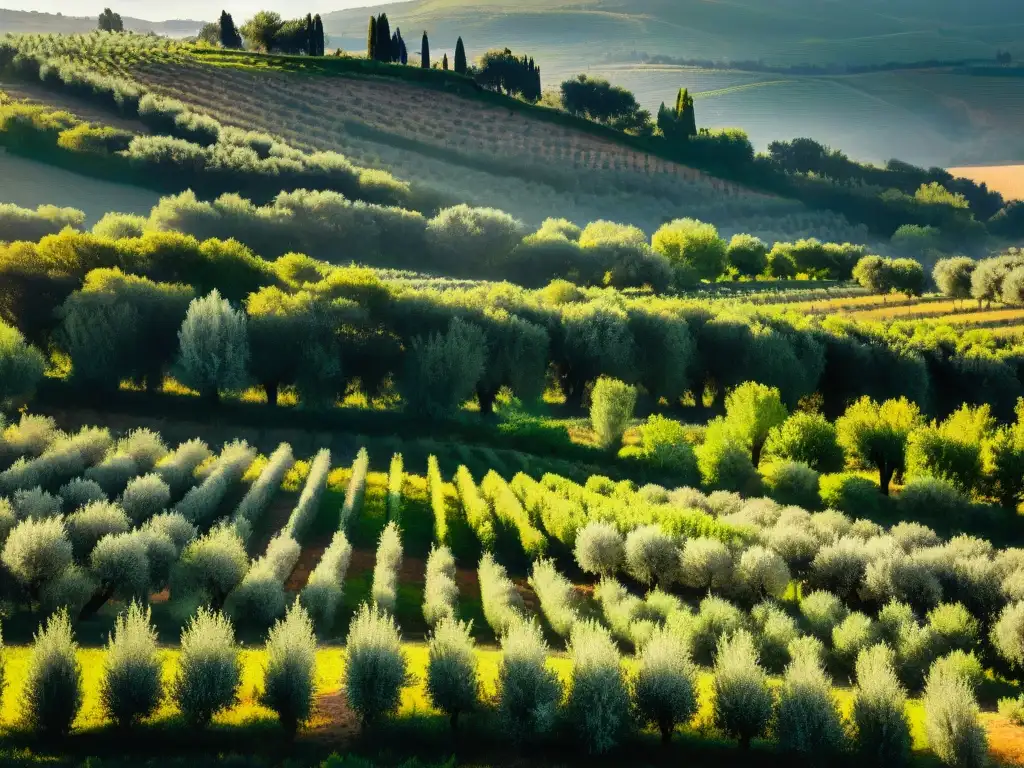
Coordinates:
(652,556)
(502,604)
(911,536)
(664,445)
(853,634)
(113,473)
(961,664)
(808,723)
(36,504)
(611,408)
(742,700)
(906,579)
(21,368)
(258,497)
(881,732)
(850,493)
(121,563)
(37,551)
(953,628)
(177,469)
(598,704)
(452,681)
(375,668)
(132,684)
(790,482)
(144,497)
(725,463)
(600,549)
(443,369)
(796,545)
(528,692)
(385,569)
(289,680)
(308,506)
(808,438)
(79,492)
(926,498)
(209,672)
(52,696)
(762,573)
(664,688)
(823,612)
(716,619)
(7,521)
(323,592)
(440,591)
(777,631)
(951,720)
(706,564)
(1007,633)
(211,567)
(839,568)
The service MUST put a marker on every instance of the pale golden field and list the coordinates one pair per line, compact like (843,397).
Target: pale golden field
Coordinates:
(1007,180)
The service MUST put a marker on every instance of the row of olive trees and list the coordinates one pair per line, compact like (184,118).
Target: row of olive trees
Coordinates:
(998,279)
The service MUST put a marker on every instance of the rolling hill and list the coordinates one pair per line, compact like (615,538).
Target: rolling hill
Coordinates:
(930,115)
(21,22)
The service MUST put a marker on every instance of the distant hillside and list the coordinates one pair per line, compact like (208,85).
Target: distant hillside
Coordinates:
(777,31)
(20,22)
(937,116)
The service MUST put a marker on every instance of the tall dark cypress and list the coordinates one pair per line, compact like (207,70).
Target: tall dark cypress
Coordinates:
(444,62)
(229,37)
(384,38)
(425,52)
(371,40)
(318,34)
(460,58)
(310,43)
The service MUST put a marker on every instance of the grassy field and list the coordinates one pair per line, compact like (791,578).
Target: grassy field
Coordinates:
(28,183)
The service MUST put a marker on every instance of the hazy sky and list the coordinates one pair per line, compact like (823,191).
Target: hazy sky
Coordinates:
(161,10)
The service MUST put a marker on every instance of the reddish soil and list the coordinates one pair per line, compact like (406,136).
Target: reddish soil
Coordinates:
(335,723)
(1005,740)
(308,559)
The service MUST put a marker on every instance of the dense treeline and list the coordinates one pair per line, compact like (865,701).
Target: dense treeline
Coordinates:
(439,347)
(485,243)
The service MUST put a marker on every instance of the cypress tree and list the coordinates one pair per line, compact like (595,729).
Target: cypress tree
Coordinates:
(229,37)
(371,40)
(460,58)
(310,43)
(444,63)
(384,38)
(687,115)
(425,52)
(318,30)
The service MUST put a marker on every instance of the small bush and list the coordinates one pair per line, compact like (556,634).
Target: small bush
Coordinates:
(906,579)
(37,551)
(91,523)
(1008,634)
(385,570)
(823,612)
(776,632)
(600,549)
(440,592)
(880,727)
(611,408)
(761,573)
(839,568)
(144,497)
(851,494)
(742,700)
(132,685)
(706,564)
(951,720)
(289,680)
(791,482)
(664,692)
(855,633)
(598,704)
(652,556)
(452,681)
(926,498)
(953,628)
(211,567)
(502,604)
(323,592)
(961,664)
(52,696)
(375,668)
(209,672)
(556,595)
(703,631)
(36,504)
(528,692)
(70,591)
(808,723)
(809,438)
(79,492)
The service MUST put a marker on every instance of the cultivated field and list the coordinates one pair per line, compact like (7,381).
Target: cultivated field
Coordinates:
(1007,180)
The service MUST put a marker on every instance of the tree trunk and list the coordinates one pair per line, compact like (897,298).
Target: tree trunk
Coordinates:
(97,601)
(454,720)
(885,473)
(212,396)
(744,743)
(666,733)
(755,452)
(486,398)
(272,389)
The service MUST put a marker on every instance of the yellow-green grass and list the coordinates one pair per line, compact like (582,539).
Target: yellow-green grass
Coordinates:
(919,309)
(855,303)
(330,666)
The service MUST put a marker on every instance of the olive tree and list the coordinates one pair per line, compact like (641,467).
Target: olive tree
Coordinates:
(21,368)
(876,435)
(611,407)
(953,276)
(214,347)
(443,369)
(694,244)
(808,438)
(752,410)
